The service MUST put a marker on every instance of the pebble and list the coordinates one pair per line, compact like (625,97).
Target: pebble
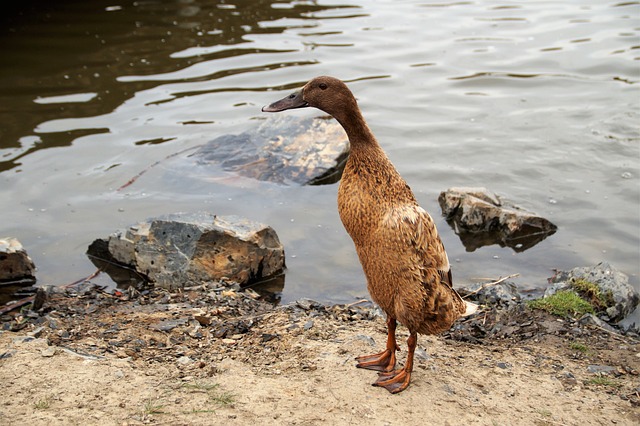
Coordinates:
(184,360)
(367,339)
(48,352)
(36,332)
(421,354)
(596,369)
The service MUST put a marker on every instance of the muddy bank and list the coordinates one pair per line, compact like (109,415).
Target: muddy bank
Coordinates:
(213,355)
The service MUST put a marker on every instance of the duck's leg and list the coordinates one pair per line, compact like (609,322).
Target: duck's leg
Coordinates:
(398,380)
(385,360)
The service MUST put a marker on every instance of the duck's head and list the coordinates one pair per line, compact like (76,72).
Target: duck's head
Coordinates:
(325,93)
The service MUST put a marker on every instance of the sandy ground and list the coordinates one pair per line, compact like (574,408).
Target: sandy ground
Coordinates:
(184,361)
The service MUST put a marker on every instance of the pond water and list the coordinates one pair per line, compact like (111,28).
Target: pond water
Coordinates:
(537,101)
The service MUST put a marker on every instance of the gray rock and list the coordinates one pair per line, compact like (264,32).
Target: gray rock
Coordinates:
(176,249)
(608,279)
(502,294)
(590,319)
(168,324)
(283,149)
(601,369)
(482,218)
(15,263)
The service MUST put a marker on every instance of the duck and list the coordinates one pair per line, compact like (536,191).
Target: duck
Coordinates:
(403,258)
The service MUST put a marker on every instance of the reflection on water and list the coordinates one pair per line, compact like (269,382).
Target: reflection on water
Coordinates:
(537,101)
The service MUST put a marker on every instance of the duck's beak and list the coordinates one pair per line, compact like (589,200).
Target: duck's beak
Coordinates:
(292,101)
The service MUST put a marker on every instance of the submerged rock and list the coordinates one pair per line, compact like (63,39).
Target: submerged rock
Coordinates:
(609,280)
(310,151)
(482,218)
(173,250)
(15,263)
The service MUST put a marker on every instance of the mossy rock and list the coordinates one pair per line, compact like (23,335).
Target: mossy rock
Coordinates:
(564,303)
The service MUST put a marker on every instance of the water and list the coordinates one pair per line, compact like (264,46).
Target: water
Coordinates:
(538,101)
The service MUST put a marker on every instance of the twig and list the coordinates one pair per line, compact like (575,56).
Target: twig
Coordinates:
(83,280)
(25,301)
(357,302)
(550,421)
(615,335)
(135,178)
(16,305)
(498,281)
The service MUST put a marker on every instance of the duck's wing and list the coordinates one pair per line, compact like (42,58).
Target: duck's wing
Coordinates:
(413,228)
(409,225)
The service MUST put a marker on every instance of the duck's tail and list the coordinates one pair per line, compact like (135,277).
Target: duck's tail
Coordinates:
(470,308)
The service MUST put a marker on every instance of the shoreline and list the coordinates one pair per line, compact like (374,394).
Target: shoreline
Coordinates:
(216,355)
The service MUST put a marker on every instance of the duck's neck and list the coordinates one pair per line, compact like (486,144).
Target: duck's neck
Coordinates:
(358,132)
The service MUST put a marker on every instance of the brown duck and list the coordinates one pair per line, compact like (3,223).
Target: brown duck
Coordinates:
(406,266)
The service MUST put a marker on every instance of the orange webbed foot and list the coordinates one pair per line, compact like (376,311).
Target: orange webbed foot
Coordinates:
(395,381)
(383,361)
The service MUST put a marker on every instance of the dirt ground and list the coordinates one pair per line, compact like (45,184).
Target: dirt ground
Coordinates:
(211,356)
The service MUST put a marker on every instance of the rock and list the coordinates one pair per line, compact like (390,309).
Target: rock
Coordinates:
(608,279)
(590,319)
(502,294)
(482,218)
(48,352)
(15,263)
(169,324)
(176,249)
(283,149)
(601,369)
(184,360)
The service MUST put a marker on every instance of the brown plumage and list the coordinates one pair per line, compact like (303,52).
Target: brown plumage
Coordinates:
(406,266)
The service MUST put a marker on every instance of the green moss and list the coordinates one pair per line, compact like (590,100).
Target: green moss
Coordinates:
(42,404)
(592,293)
(604,381)
(580,347)
(220,398)
(563,303)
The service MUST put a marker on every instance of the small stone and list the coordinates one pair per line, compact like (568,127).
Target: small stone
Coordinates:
(36,332)
(266,337)
(184,360)
(169,324)
(367,339)
(308,325)
(600,369)
(421,354)
(48,352)
(229,342)
(23,339)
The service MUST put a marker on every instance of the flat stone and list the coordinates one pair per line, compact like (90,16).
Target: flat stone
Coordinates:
(169,324)
(482,218)
(48,352)
(599,369)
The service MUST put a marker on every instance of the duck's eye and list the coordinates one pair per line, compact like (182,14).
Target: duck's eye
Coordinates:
(322,86)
